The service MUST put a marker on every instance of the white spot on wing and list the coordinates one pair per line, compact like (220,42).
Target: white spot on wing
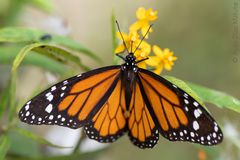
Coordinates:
(51,117)
(197,113)
(195,125)
(195,103)
(192,134)
(62,94)
(214,135)
(215,128)
(185,95)
(27,114)
(27,107)
(186,101)
(48,94)
(49,108)
(53,88)
(65,82)
(181,133)
(208,137)
(50,97)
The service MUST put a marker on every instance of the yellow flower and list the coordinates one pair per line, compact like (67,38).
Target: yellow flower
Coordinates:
(142,53)
(132,37)
(144,18)
(162,59)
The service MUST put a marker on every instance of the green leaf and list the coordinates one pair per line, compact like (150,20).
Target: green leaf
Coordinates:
(31,148)
(4,99)
(12,96)
(29,35)
(217,98)
(20,35)
(71,44)
(207,95)
(4,146)
(44,5)
(12,12)
(77,156)
(8,54)
(36,138)
(51,51)
(58,54)
(48,50)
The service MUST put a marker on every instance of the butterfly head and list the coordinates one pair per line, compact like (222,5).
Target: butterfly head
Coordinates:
(130,62)
(130,58)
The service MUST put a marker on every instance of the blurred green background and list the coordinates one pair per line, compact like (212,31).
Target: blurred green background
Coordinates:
(204,35)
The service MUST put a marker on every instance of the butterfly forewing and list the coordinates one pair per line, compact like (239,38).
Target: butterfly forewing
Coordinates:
(74,101)
(179,116)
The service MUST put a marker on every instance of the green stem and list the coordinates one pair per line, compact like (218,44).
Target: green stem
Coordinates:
(80,140)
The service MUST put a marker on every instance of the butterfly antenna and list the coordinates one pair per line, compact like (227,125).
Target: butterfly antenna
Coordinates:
(124,43)
(143,37)
(131,46)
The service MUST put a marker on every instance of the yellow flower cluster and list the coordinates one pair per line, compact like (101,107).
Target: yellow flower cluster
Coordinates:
(162,58)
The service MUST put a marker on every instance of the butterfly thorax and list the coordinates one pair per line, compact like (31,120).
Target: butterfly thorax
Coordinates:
(129,69)
(129,72)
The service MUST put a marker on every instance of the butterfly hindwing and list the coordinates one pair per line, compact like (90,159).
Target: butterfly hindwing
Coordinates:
(143,131)
(71,103)
(179,116)
(109,123)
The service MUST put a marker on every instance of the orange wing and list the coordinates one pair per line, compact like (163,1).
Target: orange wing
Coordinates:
(109,123)
(73,102)
(178,116)
(143,131)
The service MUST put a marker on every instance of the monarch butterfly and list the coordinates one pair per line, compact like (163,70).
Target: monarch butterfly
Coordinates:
(112,100)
